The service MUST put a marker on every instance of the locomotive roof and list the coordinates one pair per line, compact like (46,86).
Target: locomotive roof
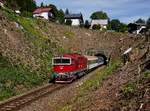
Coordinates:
(75,56)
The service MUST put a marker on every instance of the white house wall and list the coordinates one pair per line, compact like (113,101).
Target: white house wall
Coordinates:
(75,22)
(44,15)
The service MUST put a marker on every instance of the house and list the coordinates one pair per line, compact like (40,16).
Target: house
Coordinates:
(2,3)
(77,19)
(139,25)
(137,28)
(102,22)
(141,28)
(44,12)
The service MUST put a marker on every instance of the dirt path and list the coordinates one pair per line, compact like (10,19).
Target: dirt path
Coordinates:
(58,99)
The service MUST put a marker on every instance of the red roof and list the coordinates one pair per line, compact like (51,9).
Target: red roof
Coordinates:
(40,10)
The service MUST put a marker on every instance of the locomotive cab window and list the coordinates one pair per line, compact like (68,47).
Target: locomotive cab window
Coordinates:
(56,61)
(61,61)
(66,61)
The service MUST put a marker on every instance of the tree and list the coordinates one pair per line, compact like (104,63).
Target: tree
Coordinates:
(66,12)
(115,24)
(99,15)
(54,9)
(132,27)
(27,5)
(68,22)
(123,27)
(87,24)
(12,4)
(23,5)
(148,23)
(142,21)
(42,4)
(60,16)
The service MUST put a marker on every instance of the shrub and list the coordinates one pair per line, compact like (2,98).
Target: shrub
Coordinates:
(96,27)
(129,90)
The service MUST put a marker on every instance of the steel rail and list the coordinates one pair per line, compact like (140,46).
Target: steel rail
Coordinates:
(17,102)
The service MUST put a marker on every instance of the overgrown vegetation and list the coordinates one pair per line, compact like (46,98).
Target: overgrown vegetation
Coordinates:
(41,45)
(27,66)
(31,66)
(13,78)
(134,92)
(129,90)
(91,85)
(97,79)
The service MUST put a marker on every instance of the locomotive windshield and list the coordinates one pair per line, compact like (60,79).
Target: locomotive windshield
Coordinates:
(61,61)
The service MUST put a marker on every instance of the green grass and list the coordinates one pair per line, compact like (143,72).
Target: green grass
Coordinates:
(29,24)
(132,93)
(66,108)
(147,74)
(129,90)
(38,46)
(98,78)
(69,34)
(91,85)
(13,76)
(10,14)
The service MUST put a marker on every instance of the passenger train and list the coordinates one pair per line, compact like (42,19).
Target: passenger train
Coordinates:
(68,67)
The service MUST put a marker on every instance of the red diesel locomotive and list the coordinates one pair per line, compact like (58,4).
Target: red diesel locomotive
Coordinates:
(70,66)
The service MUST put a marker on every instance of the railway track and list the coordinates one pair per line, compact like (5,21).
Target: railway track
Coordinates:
(20,101)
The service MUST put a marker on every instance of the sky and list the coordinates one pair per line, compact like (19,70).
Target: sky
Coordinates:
(125,10)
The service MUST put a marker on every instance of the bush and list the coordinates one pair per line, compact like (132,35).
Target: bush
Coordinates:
(129,90)
(96,27)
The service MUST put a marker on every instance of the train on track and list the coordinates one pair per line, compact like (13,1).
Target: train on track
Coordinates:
(68,67)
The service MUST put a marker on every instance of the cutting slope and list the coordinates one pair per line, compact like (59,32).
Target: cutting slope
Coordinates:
(27,46)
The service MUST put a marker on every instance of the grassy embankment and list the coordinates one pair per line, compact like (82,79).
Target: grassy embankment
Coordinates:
(17,73)
(90,85)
